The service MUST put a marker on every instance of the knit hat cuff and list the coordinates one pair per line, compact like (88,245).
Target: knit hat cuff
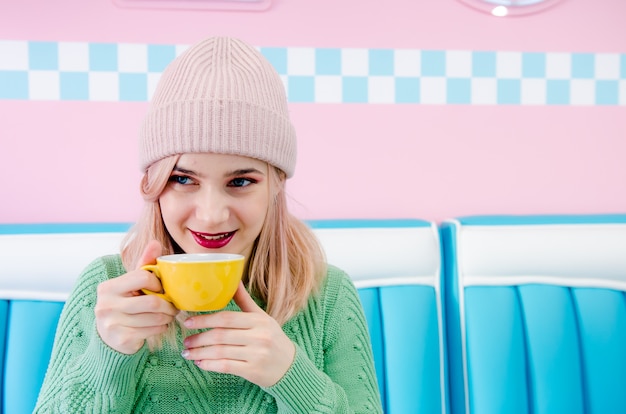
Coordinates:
(219,126)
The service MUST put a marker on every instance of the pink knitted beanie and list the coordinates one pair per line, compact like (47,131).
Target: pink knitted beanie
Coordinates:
(222,96)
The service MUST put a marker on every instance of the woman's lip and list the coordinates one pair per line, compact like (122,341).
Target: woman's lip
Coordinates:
(212,241)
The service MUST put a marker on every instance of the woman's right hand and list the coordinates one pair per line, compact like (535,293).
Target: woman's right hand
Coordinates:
(125,317)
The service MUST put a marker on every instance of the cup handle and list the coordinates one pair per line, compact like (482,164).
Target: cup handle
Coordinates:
(155,270)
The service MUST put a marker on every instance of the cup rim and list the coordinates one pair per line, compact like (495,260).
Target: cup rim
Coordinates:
(200,257)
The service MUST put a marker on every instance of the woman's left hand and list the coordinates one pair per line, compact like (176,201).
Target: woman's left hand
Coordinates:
(249,344)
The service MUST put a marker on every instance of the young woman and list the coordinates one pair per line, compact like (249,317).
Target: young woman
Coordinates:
(216,147)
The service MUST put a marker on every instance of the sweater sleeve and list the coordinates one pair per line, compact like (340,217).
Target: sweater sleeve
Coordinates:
(84,374)
(347,383)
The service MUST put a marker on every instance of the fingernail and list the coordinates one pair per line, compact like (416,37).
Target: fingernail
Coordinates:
(185,353)
(189,323)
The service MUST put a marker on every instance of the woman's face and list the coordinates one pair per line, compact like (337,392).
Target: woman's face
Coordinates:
(216,202)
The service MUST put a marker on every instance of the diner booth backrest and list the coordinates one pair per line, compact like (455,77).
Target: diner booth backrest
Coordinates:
(395,264)
(40,263)
(536,314)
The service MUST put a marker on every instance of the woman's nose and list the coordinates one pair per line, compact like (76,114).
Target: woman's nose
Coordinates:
(212,207)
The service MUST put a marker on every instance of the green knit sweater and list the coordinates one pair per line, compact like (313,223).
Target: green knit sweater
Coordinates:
(332,372)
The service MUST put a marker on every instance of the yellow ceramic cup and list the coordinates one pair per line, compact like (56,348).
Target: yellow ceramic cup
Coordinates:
(198,282)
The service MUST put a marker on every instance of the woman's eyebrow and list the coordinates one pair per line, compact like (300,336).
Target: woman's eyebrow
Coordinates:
(239,171)
(184,171)
(243,171)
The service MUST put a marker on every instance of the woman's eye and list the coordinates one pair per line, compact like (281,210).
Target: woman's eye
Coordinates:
(241,182)
(181,179)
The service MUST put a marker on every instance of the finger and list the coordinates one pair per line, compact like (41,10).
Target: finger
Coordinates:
(151,304)
(245,302)
(217,352)
(217,336)
(250,316)
(152,250)
(145,320)
(223,319)
(130,284)
(112,304)
(148,280)
(128,340)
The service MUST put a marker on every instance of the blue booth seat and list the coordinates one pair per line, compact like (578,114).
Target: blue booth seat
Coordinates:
(477,315)
(536,314)
(40,264)
(395,265)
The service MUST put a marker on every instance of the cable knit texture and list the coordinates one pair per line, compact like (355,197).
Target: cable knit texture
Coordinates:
(332,372)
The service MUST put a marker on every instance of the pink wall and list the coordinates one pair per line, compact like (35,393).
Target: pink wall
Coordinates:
(76,161)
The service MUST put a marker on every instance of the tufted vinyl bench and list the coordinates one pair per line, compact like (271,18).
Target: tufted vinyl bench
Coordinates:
(40,264)
(395,265)
(536,314)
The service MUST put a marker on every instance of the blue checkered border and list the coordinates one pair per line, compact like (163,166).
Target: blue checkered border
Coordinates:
(86,71)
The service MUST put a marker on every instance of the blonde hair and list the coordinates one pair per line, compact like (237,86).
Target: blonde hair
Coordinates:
(287,263)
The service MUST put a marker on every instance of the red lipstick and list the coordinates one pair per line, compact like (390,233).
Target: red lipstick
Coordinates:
(213,240)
